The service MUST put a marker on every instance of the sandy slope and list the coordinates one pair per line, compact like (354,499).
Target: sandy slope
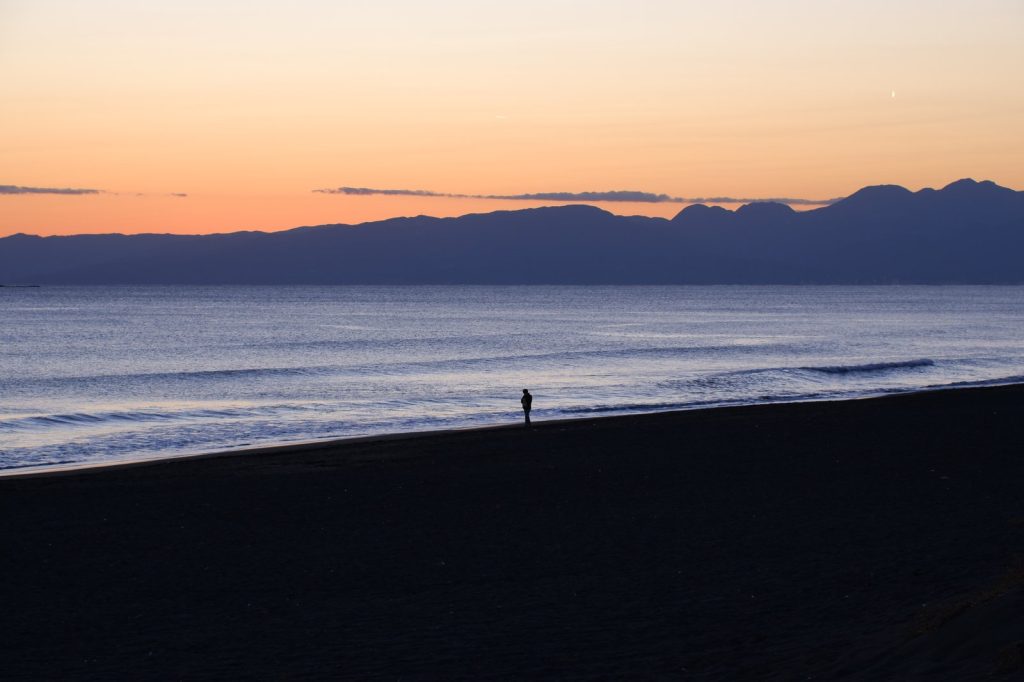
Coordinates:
(773,542)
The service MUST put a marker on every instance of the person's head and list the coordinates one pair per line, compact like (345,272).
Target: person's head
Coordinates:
(526,391)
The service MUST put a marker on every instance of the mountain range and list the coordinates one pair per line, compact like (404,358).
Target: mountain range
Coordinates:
(967,232)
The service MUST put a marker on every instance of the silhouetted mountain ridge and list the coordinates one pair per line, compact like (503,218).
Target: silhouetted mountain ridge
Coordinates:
(966,232)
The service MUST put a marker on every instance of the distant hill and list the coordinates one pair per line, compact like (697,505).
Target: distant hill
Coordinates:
(967,232)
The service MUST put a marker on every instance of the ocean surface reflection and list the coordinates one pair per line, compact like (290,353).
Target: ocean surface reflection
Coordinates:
(96,374)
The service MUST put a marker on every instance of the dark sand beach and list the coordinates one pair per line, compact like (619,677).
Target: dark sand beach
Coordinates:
(870,539)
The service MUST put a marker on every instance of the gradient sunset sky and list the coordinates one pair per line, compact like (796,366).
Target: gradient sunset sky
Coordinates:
(248,107)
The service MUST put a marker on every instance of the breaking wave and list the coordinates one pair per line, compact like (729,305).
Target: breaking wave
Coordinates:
(871,367)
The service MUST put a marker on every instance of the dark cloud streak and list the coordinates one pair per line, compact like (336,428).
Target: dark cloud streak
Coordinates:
(78,191)
(72,191)
(366,191)
(628,196)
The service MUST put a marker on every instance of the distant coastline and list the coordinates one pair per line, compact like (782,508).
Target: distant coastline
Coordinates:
(965,233)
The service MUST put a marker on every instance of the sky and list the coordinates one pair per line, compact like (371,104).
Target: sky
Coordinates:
(223,115)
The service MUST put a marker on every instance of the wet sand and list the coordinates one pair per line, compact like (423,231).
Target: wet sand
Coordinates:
(870,539)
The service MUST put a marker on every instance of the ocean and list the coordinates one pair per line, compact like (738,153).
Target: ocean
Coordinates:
(113,374)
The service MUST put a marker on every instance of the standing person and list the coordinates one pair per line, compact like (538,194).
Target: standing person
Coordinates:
(527,401)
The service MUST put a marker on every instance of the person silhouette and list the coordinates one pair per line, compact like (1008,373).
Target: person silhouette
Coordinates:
(527,401)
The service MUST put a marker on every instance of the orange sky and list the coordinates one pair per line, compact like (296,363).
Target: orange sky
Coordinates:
(247,107)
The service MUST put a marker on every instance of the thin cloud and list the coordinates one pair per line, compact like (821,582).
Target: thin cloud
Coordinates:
(629,196)
(615,195)
(80,191)
(16,189)
(148,195)
(366,191)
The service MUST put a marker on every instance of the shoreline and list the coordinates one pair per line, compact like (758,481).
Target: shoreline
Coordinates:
(860,539)
(285,448)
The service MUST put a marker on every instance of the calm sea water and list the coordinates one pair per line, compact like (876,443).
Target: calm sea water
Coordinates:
(123,373)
